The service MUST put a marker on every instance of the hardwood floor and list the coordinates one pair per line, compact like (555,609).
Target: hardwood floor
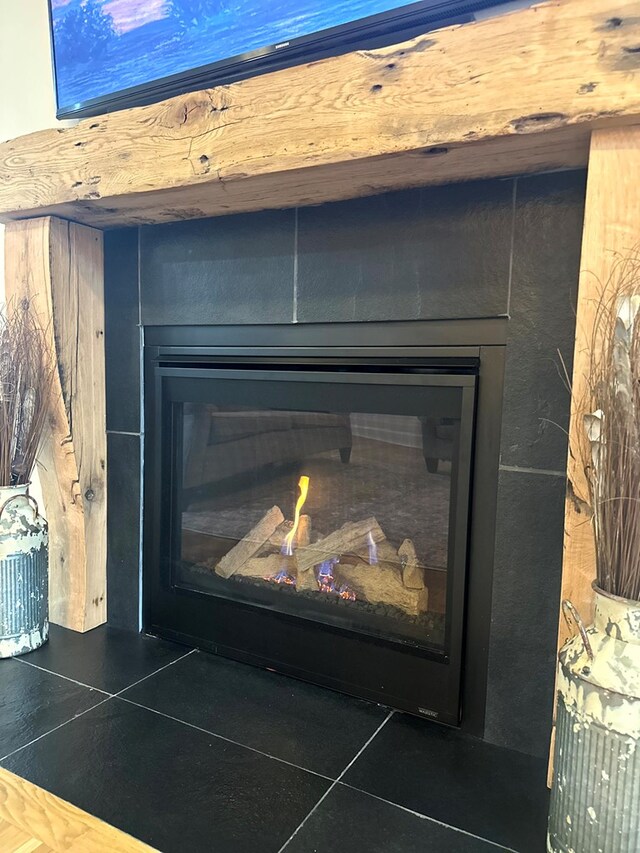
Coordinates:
(34,821)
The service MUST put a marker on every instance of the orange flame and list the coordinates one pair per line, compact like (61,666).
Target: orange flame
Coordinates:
(303,484)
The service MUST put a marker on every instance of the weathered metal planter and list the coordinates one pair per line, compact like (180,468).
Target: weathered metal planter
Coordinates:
(595,799)
(24,565)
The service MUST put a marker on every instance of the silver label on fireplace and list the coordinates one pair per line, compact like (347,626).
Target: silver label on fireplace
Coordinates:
(428,713)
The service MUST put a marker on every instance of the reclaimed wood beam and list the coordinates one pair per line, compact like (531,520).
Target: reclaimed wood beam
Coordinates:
(611,232)
(58,265)
(515,93)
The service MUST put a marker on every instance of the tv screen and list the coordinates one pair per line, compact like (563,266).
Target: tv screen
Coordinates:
(110,54)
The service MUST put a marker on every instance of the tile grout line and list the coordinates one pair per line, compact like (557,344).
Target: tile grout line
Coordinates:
(336,782)
(66,677)
(226,739)
(55,729)
(109,696)
(100,689)
(427,817)
(155,672)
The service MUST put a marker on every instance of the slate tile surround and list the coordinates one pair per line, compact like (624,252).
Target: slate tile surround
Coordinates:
(398,256)
(392,784)
(297,722)
(123,528)
(522,653)
(465,781)
(34,701)
(484,248)
(544,279)
(122,329)
(222,270)
(104,659)
(363,822)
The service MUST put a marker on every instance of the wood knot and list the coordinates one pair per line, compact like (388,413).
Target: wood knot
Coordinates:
(537,121)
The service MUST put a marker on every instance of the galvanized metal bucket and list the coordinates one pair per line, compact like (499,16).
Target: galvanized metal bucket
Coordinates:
(24,571)
(595,799)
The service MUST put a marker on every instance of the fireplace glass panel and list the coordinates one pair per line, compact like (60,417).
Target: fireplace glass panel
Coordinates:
(340,515)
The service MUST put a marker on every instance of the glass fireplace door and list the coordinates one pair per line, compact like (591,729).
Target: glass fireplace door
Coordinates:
(336,500)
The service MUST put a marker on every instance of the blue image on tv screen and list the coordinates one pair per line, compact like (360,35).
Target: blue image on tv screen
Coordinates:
(105,46)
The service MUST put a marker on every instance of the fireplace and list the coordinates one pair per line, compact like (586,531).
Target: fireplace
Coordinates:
(409,271)
(310,501)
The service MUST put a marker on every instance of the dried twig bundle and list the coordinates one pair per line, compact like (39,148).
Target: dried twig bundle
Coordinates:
(610,444)
(26,373)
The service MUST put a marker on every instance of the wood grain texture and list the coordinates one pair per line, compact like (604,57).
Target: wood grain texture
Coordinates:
(59,266)
(515,93)
(34,821)
(611,231)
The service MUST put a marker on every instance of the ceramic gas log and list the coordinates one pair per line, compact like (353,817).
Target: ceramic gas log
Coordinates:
(354,562)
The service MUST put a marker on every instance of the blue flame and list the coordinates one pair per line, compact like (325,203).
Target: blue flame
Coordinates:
(282,576)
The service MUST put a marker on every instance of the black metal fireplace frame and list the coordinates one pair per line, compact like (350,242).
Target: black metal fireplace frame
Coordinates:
(185,615)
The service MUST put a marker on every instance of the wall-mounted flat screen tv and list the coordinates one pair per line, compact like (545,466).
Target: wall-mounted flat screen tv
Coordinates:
(112,54)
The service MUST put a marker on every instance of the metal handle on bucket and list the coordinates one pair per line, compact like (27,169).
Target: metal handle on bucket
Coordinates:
(32,500)
(569,609)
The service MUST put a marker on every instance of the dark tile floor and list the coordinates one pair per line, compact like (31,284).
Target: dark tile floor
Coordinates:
(190,752)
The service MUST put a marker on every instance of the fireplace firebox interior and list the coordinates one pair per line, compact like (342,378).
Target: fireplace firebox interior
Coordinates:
(311,511)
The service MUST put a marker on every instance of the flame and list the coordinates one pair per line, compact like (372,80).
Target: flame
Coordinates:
(325,576)
(287,548)
(373,549)
(282,576)
(327,584)
(346,593)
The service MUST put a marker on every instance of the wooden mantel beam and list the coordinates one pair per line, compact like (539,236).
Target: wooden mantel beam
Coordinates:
(515,93)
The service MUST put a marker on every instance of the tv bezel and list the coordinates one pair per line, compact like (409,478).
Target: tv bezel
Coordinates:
(384,28)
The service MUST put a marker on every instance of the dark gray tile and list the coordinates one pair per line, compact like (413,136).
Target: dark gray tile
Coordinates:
(309,726)
(438,252)
(232,269)
(526,592)
(546,264)
(33,702)
(351,822)
(122,334)
(106,658)
(491,792)
(172,786)
(123,530)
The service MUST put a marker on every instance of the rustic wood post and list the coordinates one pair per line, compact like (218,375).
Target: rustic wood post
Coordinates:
(59,266)
(611,231)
